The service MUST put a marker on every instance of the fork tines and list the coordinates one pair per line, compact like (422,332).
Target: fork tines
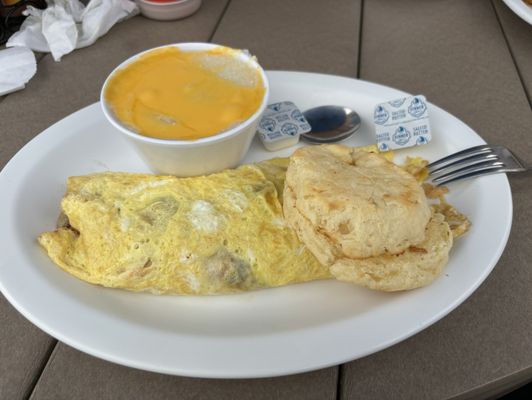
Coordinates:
(475,161)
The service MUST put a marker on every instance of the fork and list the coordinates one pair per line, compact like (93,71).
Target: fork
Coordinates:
(475,161)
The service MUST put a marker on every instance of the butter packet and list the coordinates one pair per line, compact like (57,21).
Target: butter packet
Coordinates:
(281,125)
(402,123)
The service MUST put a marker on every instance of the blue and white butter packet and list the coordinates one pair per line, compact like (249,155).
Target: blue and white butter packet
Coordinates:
(402,123)
(281,125)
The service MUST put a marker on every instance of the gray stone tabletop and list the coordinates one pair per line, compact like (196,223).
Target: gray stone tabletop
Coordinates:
(473,58)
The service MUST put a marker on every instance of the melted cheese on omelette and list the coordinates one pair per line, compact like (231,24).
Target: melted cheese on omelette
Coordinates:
(221,233)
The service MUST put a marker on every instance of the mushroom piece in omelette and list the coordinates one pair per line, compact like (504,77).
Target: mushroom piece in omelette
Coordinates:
(227,233)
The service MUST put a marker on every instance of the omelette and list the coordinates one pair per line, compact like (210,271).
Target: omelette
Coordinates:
(215,234)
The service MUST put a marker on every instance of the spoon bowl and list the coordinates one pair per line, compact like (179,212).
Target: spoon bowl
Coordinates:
(330,124)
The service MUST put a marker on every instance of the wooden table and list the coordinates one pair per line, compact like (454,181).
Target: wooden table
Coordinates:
(471,57)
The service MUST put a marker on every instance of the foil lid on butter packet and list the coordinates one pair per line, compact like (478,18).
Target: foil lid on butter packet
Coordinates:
(281,125)
(402,123)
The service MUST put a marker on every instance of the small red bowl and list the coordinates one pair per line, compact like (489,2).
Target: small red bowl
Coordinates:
(166,10)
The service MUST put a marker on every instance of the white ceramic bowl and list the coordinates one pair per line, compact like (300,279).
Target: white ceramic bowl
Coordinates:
(193,157)
(168,10)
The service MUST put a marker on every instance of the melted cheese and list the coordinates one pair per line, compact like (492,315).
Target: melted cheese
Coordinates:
(204,217)
(172,94)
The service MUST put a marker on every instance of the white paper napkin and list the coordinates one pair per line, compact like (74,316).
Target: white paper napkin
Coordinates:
(67,24)
(17,66)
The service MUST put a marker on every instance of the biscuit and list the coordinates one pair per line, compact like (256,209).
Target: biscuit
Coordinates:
(417,266)
(347,203)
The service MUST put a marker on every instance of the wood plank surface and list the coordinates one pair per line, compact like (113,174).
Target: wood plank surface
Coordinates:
(302,35)
(74,375)
(454,52)
(24,351)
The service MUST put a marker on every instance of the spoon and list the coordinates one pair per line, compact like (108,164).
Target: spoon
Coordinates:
(330,124)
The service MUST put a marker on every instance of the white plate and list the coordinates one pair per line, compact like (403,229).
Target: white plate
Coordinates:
(523,10)
(263,333)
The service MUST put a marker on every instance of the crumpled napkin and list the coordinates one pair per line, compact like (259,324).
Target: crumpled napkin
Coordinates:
(17,66)
(67,24)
